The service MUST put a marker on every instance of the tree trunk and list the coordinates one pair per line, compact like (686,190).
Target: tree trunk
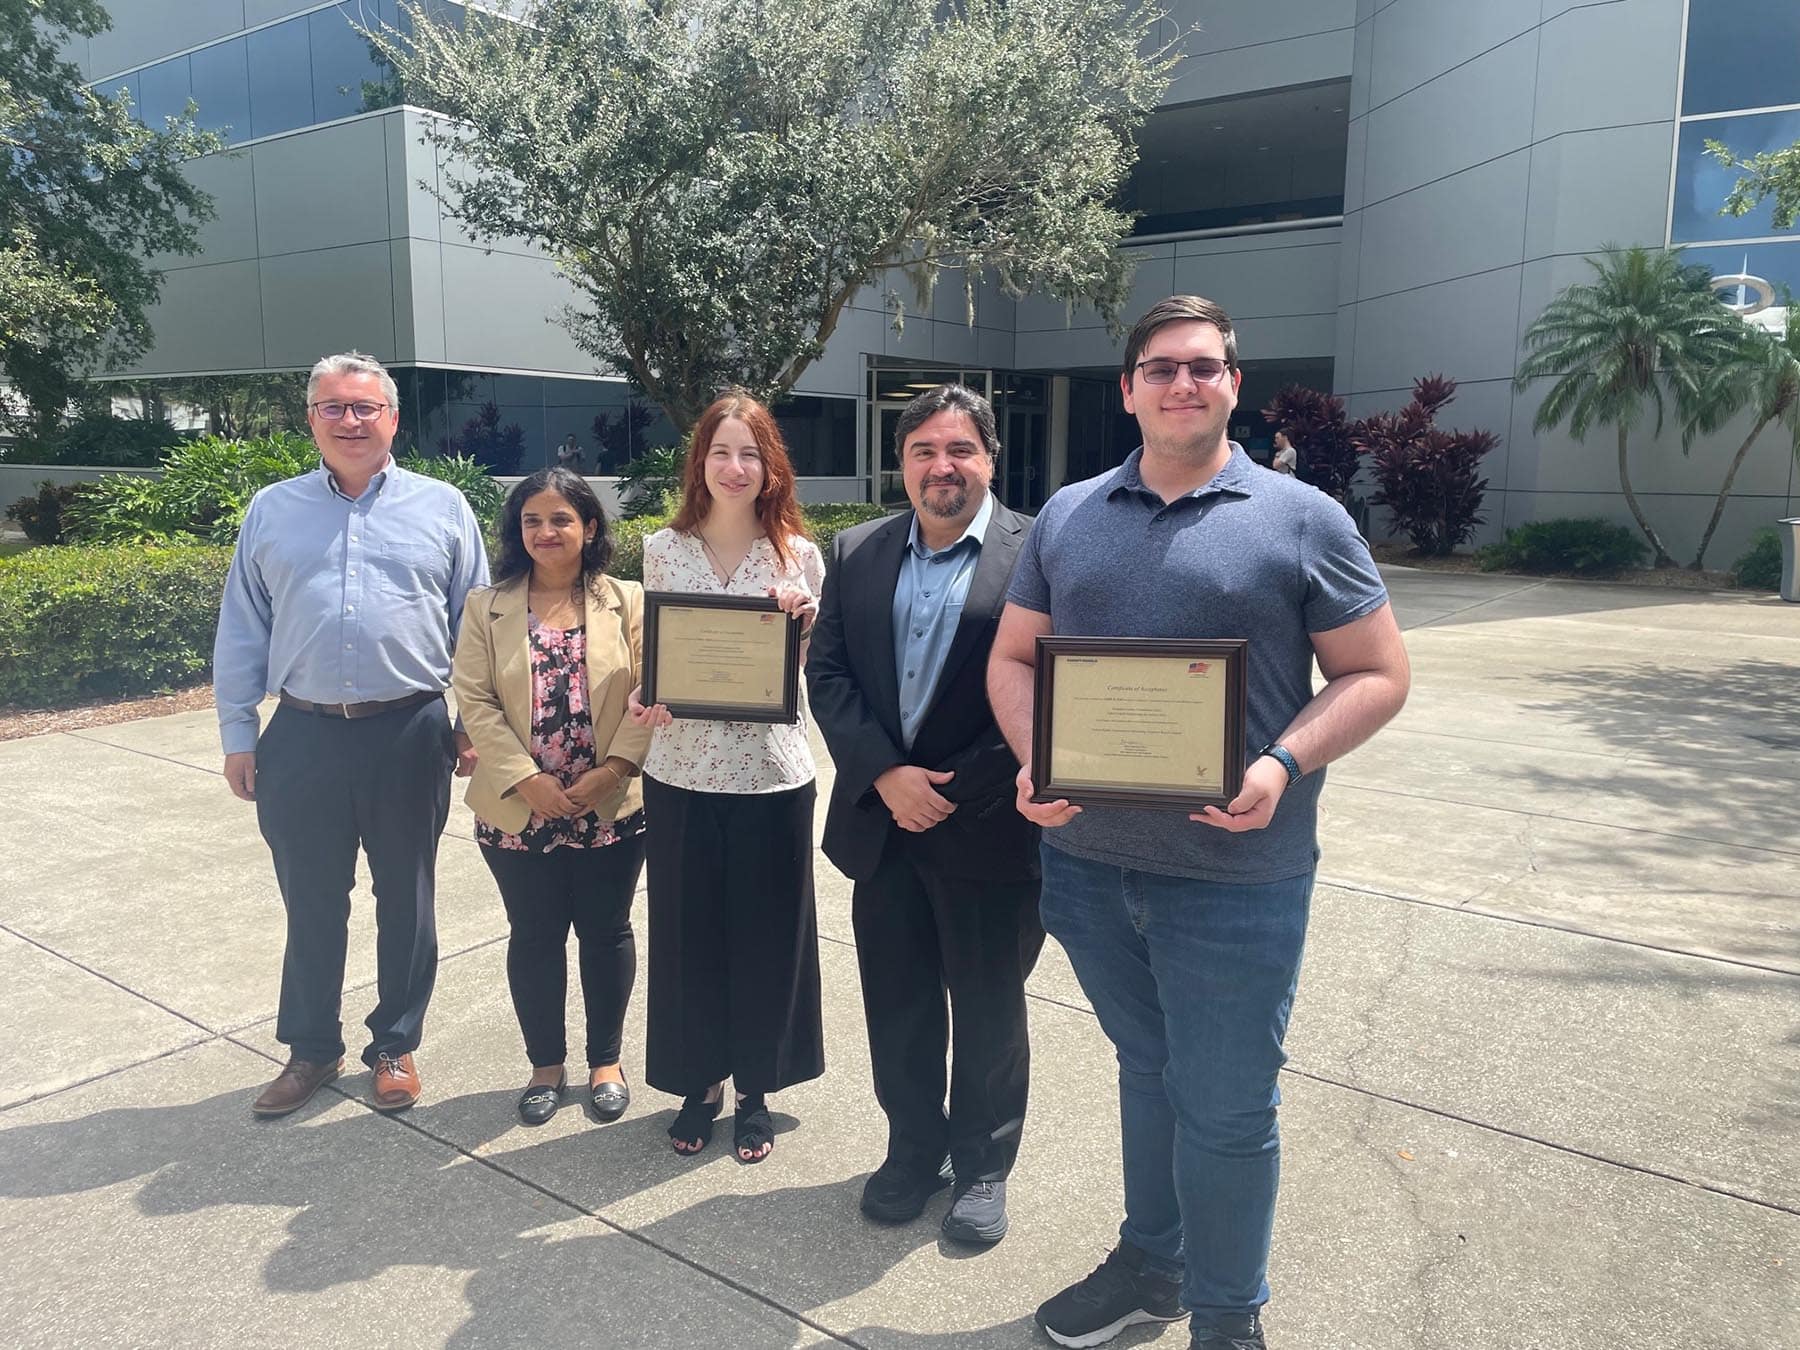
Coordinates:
(1737,461)
(1662,558)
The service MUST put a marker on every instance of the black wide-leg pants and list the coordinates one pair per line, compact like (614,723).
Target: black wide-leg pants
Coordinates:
(919,935)
(734,940)
(325,786)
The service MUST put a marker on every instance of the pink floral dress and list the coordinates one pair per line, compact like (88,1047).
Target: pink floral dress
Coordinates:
(562,744)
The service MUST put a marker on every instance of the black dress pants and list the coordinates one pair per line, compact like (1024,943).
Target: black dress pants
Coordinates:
(544,894)
(324,786)
(919,934)
(734,940)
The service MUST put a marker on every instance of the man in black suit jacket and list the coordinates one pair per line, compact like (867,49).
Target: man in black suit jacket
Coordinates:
(922,817)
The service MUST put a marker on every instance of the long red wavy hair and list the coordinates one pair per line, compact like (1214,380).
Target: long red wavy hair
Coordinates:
(777,506)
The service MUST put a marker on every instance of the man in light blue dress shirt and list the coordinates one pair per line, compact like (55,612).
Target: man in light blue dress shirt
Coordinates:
(344,597)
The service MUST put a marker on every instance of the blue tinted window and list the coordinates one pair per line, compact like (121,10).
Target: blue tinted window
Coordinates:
(221,83)
(164,90)
(1775,263)
(280,78)
(820,435)
(1702,183)
(341,66)
(1741,54)
(109,90)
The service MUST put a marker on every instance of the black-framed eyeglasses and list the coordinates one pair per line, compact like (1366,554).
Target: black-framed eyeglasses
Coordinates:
(1202,370)
(363,410)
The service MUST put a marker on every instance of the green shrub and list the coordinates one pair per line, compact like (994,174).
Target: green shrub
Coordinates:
(628,545)
(205,487)
(651,484)
(1588,546)
(99,438)
(826,519)
(104,621)
(1760,567)
(41,516)
(466,476)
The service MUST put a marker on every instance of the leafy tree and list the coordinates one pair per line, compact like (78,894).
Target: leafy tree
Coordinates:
(719,178)
(86,193)
(1316,427)
(1647,332)
(1773,173)
(1425,475)
(1764,377)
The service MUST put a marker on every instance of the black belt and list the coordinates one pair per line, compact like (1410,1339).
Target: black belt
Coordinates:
(352,711)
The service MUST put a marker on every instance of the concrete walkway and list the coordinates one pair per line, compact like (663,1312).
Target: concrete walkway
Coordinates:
(1544,1089)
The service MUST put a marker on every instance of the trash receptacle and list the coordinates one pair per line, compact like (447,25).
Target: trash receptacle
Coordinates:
(1790,558)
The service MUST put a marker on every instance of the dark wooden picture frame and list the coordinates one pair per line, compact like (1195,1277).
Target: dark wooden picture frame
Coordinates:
(787,709)
(1234,653)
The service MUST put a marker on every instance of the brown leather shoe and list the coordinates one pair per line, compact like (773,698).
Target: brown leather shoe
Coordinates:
(396,1083)
(293,1088)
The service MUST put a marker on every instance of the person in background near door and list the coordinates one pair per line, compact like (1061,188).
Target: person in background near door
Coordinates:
(921,817)
(545,665)
(344,597)
(734,943)
(1287,456)
(569,455)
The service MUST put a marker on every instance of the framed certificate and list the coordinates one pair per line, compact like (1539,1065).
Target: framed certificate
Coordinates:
(725,658)
(1146,722)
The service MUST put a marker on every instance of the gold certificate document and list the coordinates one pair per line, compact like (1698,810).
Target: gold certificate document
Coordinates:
(1149,722)
(724,658)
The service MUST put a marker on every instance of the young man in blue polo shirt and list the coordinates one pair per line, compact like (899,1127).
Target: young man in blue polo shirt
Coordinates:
(1186,933)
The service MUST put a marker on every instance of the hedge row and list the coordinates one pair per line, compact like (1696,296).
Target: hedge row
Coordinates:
(107,620)
(117,619)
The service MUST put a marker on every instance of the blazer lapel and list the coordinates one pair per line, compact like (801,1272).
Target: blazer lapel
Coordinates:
(987,593)
(510,610)
(596,602)
(873,613)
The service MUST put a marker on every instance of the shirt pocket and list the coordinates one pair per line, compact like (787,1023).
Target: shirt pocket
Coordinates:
(412,569)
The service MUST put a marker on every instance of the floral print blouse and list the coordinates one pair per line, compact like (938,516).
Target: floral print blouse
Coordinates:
(562,744)
(704,756)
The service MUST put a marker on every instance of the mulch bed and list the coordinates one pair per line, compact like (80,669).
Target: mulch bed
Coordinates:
(17,722)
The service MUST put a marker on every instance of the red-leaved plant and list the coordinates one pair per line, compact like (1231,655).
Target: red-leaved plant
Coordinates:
(1427,477)
(1314,422)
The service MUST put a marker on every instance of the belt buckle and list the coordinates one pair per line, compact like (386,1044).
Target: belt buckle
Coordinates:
(342,710)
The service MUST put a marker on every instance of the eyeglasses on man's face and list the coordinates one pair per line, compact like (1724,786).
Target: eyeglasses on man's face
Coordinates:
(364,410)
(1202,369)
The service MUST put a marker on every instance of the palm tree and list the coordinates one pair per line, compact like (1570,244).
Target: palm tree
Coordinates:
(1646,331)
(1766,379)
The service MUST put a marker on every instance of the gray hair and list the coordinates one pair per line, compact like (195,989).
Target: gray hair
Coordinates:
(949,398)
(352,363)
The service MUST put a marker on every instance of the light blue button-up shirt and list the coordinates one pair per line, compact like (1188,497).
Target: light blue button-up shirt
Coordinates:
(341,601)
(928,603)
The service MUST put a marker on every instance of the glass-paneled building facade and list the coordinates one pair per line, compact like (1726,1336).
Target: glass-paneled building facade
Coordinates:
(1740,87)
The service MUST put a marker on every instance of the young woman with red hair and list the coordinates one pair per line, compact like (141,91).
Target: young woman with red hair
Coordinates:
(734,956)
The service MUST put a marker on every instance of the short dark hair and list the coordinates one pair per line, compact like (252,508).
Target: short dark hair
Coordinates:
(1179,309)
(948,398)
(571,487)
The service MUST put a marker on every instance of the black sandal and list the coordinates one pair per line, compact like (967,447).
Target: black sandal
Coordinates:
(752,1131)
(693,1124)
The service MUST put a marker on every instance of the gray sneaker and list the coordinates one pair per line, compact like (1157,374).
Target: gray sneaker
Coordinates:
(1120,1293)
(977,1213)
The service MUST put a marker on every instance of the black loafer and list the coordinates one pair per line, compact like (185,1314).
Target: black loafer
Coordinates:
(897,1192)
(538,1103)
(609,1100)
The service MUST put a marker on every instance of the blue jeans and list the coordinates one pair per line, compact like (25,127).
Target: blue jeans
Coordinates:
(1192,982)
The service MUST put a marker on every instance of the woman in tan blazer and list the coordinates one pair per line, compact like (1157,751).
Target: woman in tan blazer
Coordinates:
(545,662)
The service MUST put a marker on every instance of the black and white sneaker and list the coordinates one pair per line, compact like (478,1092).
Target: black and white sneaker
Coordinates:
(1120,1293)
